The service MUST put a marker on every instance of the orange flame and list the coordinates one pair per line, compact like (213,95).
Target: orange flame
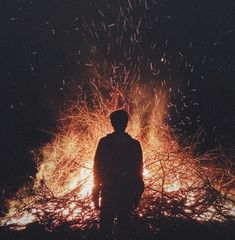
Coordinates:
(66,164)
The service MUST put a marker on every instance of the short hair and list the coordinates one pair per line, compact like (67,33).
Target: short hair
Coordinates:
(119,119)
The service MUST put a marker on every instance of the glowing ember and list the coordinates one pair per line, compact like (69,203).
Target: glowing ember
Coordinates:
(177,183)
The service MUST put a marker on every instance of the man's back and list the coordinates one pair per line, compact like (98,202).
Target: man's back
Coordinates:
(118,160)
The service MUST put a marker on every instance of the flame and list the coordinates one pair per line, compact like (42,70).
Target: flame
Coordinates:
(173,176)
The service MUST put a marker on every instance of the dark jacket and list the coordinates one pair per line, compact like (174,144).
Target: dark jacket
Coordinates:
(118,161)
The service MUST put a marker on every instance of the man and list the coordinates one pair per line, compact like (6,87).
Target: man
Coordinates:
(118,177)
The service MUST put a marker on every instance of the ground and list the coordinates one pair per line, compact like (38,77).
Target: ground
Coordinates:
(168,229)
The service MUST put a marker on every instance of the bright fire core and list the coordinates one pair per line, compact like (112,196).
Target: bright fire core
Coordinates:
(177,183)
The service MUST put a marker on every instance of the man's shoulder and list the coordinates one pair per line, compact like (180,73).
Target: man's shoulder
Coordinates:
(106,139)
(103,139)
(136,142)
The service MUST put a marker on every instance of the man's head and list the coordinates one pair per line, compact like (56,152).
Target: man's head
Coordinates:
(119,120)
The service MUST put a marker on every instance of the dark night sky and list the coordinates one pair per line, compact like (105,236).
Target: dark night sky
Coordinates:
(44,46)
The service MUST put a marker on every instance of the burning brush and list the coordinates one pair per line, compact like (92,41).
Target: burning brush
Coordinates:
(178,184)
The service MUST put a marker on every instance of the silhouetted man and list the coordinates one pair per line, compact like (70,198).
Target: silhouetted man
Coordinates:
(118,177)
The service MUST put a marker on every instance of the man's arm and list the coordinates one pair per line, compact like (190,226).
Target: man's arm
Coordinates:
(97,175)
(140,160)
(97,164)
(140,182)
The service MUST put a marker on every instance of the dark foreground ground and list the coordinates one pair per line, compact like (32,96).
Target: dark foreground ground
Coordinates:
(167,230)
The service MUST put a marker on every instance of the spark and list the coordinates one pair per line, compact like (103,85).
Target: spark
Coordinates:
(174,177)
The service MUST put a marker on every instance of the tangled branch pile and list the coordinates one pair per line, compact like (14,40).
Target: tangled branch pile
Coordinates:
(178,184)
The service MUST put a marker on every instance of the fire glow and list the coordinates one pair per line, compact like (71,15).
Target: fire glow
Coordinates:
(178,184)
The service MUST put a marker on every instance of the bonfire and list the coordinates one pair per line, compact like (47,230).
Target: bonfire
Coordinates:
(177,183)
